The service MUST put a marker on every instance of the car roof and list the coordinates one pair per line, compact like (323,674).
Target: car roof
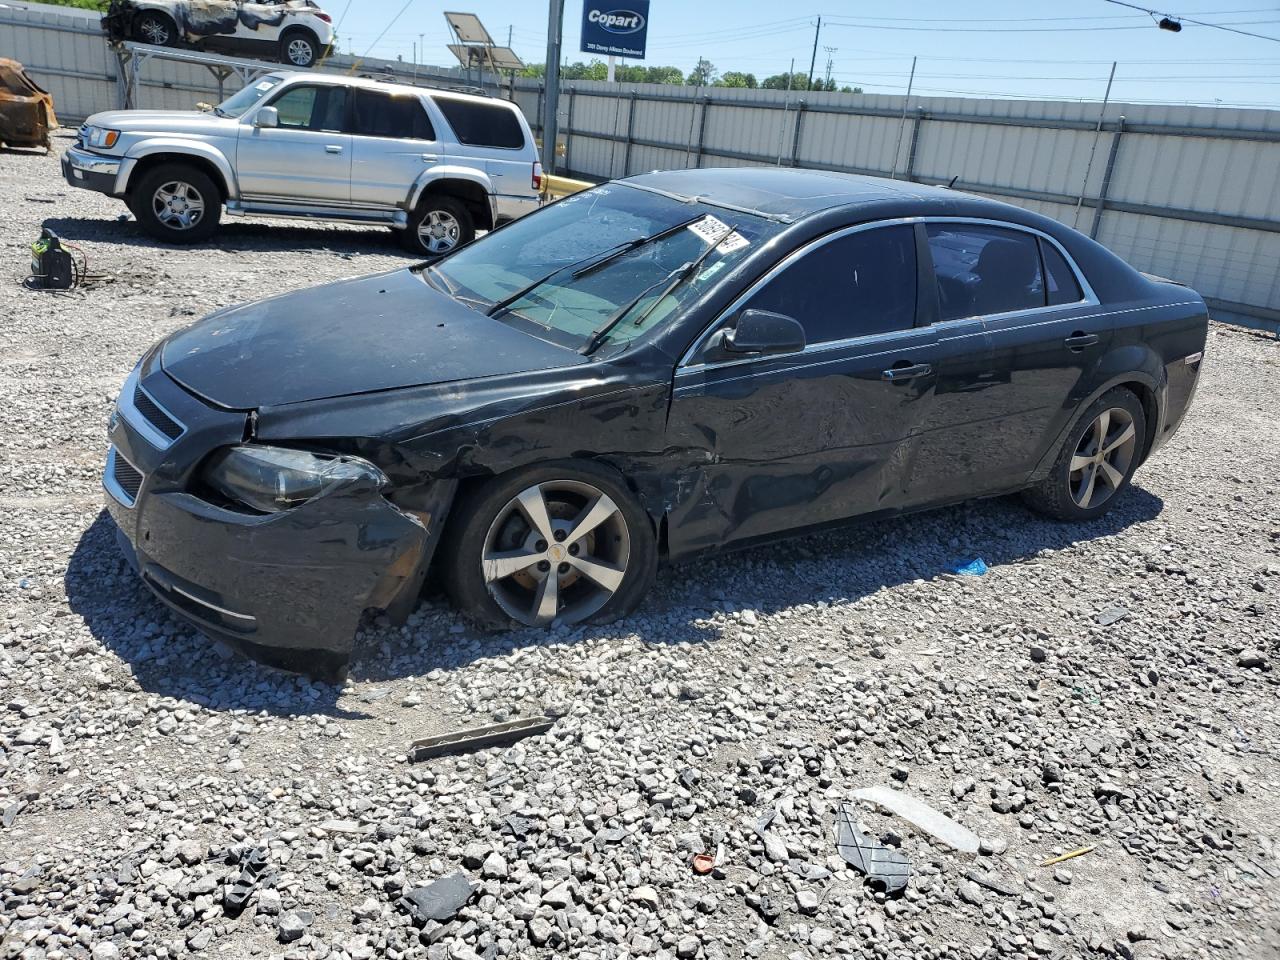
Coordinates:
(786,193)
(371,83)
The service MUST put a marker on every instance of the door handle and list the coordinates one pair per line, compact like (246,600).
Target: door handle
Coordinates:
(332,148)
(430,157)
(908,372)
(1079,340)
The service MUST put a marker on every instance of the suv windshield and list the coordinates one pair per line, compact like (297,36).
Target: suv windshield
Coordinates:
(589,272)
(238,103)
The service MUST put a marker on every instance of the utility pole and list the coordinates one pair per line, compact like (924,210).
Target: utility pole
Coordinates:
(830,61)
(415,62)
(813,60)
(551,101)
(509,27)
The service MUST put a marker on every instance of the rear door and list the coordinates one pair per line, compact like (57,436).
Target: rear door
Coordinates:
(307,157)
(492,137)
(783,442)
(393,142)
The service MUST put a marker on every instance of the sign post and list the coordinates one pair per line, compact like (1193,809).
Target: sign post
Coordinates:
(615,28)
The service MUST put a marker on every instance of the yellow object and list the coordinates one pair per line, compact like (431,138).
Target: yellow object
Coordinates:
(1078,852)
(553,188)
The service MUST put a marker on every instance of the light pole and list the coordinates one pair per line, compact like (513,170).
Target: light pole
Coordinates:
(551,101)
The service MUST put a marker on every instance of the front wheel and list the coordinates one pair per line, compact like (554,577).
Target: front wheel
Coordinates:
(440,225)
(155,28)
(565,542)
(299,49)
(176,203)
(1097,462)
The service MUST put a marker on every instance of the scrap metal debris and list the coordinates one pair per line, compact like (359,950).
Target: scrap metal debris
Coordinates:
(920,814)
(438,900)
(1070,855)
(883,867)
(26,110)
(253,872)
(991,882)
(479,738)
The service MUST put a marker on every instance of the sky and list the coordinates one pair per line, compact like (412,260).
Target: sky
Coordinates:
(995,48)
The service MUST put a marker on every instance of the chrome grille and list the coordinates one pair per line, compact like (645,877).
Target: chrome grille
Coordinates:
(123,480)
(155,415)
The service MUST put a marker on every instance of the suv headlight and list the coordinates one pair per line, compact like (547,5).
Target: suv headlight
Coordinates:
(100,137)
(272,479)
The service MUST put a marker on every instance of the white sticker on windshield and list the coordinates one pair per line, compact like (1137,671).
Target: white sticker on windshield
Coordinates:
(710,230)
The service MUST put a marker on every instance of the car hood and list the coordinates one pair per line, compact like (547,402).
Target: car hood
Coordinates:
(160,121)
(364,335)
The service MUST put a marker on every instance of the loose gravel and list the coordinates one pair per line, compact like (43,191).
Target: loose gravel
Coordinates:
(1111,685)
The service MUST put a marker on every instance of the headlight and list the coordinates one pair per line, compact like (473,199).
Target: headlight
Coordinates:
(100,137)
(271,479)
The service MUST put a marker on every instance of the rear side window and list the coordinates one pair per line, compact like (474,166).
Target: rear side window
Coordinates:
(854,286)
(312,108)
(1061,285)
(482,124)
(984,270)
(380,114)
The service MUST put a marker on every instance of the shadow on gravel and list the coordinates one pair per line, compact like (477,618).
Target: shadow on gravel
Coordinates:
(170,658)
(237,236)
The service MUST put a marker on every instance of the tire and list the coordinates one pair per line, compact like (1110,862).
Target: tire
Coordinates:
(1096,484)
(490,524)
(299,48)
(155,28)
(164,219)
(440,225)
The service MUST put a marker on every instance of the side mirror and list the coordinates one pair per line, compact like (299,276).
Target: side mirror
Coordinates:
(765,332)
(267,117)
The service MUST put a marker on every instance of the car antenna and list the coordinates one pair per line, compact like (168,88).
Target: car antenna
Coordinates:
(952,182)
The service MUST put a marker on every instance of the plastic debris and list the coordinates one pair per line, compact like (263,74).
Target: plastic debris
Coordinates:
(479,738)
(438,900)
(703,863)
(920,814)
(970,568)
(253,870)
(884,867)
(1070,855)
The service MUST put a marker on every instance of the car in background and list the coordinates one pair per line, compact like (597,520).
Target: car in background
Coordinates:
(295,32)
(653,369)
(434,165)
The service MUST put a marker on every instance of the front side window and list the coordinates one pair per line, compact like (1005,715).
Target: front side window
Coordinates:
(984,270)
(380,114)
(482,124)
(650,250)
(312,108)
(854,286)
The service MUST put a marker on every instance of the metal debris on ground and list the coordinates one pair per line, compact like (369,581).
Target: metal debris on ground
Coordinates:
(479,738)
(1110,615)
(883,867)
(438,900)
(253,871)
(920,814)
(1069,855)
(991,882)
(26,110)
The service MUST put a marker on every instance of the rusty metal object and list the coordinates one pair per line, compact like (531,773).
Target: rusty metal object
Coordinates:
(26,111)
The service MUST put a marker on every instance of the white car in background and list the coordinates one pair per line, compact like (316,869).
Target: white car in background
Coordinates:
(296,32)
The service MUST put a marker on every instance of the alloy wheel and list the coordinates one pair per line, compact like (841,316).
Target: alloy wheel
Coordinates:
(299,53)
(154,31)
(178,205)
(439,231)
(1102,458)
(557,551)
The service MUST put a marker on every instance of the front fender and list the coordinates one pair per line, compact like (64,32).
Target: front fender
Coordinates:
(179,147)
(445,171)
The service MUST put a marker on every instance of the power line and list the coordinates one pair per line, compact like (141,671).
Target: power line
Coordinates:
(1230,28)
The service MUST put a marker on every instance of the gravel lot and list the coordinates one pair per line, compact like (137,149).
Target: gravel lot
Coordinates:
(138,760)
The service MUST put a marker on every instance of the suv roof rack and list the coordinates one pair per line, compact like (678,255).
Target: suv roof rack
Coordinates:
(388,77)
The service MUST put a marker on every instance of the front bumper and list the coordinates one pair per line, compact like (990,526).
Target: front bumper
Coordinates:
(91,171)
(288,589)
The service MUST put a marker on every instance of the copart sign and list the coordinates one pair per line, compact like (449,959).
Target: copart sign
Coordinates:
(615,28)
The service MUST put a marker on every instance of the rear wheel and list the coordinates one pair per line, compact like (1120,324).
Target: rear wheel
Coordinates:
(1097,462)
(176,203)
(155,28)
(299,48)
(564,542)
(440,225)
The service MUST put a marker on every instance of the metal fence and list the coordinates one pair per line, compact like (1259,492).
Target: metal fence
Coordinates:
(1190,193)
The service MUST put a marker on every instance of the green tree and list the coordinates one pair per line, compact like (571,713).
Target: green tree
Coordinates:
(799,81)
(735,78)
(673,75)
(99,5)
(703,75)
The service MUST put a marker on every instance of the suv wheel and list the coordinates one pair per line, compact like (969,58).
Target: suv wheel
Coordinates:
(1097,462)
(155,28)
(176,203)
(299,48)
(440,225)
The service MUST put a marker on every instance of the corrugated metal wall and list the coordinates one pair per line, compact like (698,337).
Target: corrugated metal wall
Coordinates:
(1190,193)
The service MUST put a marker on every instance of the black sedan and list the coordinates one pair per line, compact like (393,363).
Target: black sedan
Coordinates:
(652,369)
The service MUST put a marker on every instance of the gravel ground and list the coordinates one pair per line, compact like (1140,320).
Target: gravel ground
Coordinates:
(1111,685)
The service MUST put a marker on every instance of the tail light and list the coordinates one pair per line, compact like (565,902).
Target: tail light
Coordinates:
(537,175)
(321,15)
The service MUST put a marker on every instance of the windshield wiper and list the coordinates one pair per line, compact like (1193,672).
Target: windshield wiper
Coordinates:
(590,264)
(672,280)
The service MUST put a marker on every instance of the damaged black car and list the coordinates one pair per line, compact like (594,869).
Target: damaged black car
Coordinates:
(653,369)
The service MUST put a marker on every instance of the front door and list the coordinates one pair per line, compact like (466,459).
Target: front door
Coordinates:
(307,157)
(782,442)
(393,143)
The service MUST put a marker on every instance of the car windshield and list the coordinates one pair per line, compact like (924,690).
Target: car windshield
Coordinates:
(603,266)
(237,104)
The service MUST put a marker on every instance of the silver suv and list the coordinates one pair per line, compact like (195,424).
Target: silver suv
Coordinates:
(433,165)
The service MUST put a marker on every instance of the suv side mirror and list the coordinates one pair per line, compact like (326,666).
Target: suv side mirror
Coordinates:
(267,117)
(765,332)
